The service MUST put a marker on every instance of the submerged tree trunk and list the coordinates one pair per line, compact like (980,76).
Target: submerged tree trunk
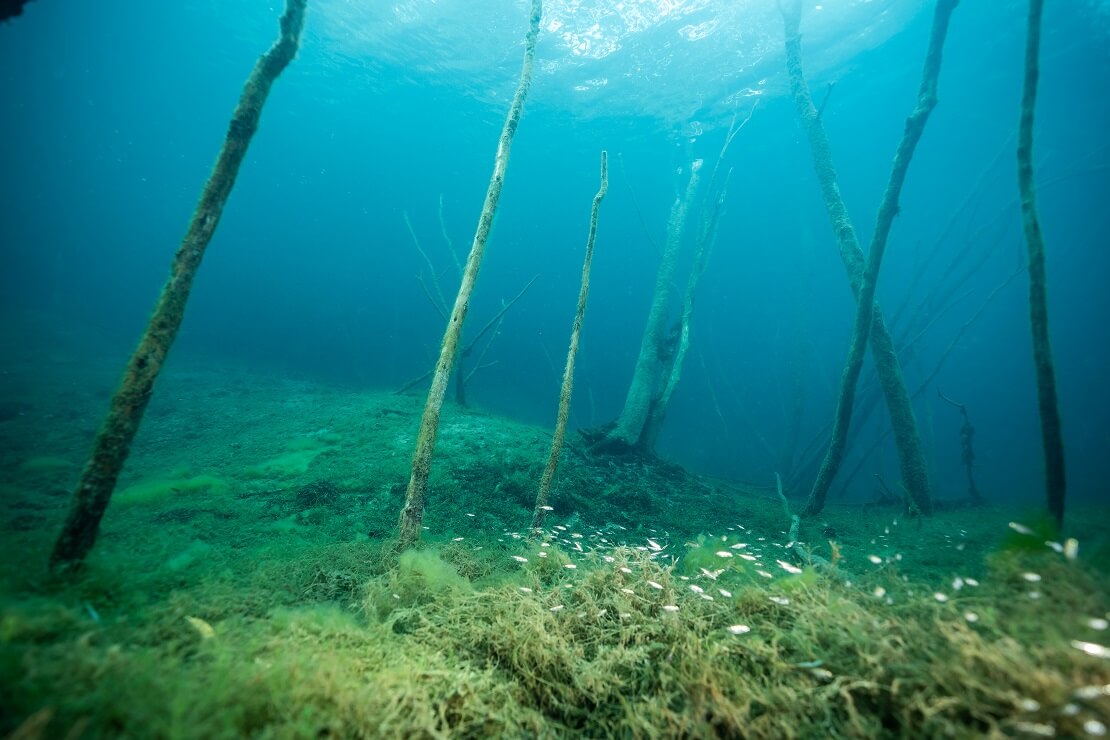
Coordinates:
(1048,405)
(911,456)
(967,449)
(865,309)
(539,513)
(707,238)
(113,441)
(412,514)
(658,343)
(671,373)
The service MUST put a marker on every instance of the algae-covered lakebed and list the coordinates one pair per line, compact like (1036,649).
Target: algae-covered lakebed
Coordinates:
(242,586)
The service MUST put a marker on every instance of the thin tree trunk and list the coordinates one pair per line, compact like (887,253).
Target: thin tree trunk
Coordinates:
(865,308)
(412,515)
(113,442)
(911,455)
(1051,434)
(540,511)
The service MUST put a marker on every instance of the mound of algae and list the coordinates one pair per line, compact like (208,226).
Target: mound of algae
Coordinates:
(460,641)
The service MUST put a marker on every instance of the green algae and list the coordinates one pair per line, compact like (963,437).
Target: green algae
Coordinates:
(300,454)
(426,652)
(178,485)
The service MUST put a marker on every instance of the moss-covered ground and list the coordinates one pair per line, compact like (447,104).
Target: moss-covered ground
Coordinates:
(242,586)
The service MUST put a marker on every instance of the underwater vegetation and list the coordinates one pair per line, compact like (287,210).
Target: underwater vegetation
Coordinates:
(653,603)
(306,640)
(274,576)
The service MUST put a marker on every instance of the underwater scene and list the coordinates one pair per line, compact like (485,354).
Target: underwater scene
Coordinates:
(554,368)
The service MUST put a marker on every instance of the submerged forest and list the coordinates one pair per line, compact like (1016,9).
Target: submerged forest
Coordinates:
(539,368)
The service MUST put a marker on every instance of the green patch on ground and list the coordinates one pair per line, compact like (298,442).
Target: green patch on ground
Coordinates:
(177,485)
(46,465)
(295,461)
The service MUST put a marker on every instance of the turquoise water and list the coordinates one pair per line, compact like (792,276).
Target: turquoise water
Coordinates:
(245,565)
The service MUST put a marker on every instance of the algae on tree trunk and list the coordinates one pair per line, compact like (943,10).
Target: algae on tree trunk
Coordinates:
(113,441)
(412,515)
(568,371)
(1051,434)
(911,456)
